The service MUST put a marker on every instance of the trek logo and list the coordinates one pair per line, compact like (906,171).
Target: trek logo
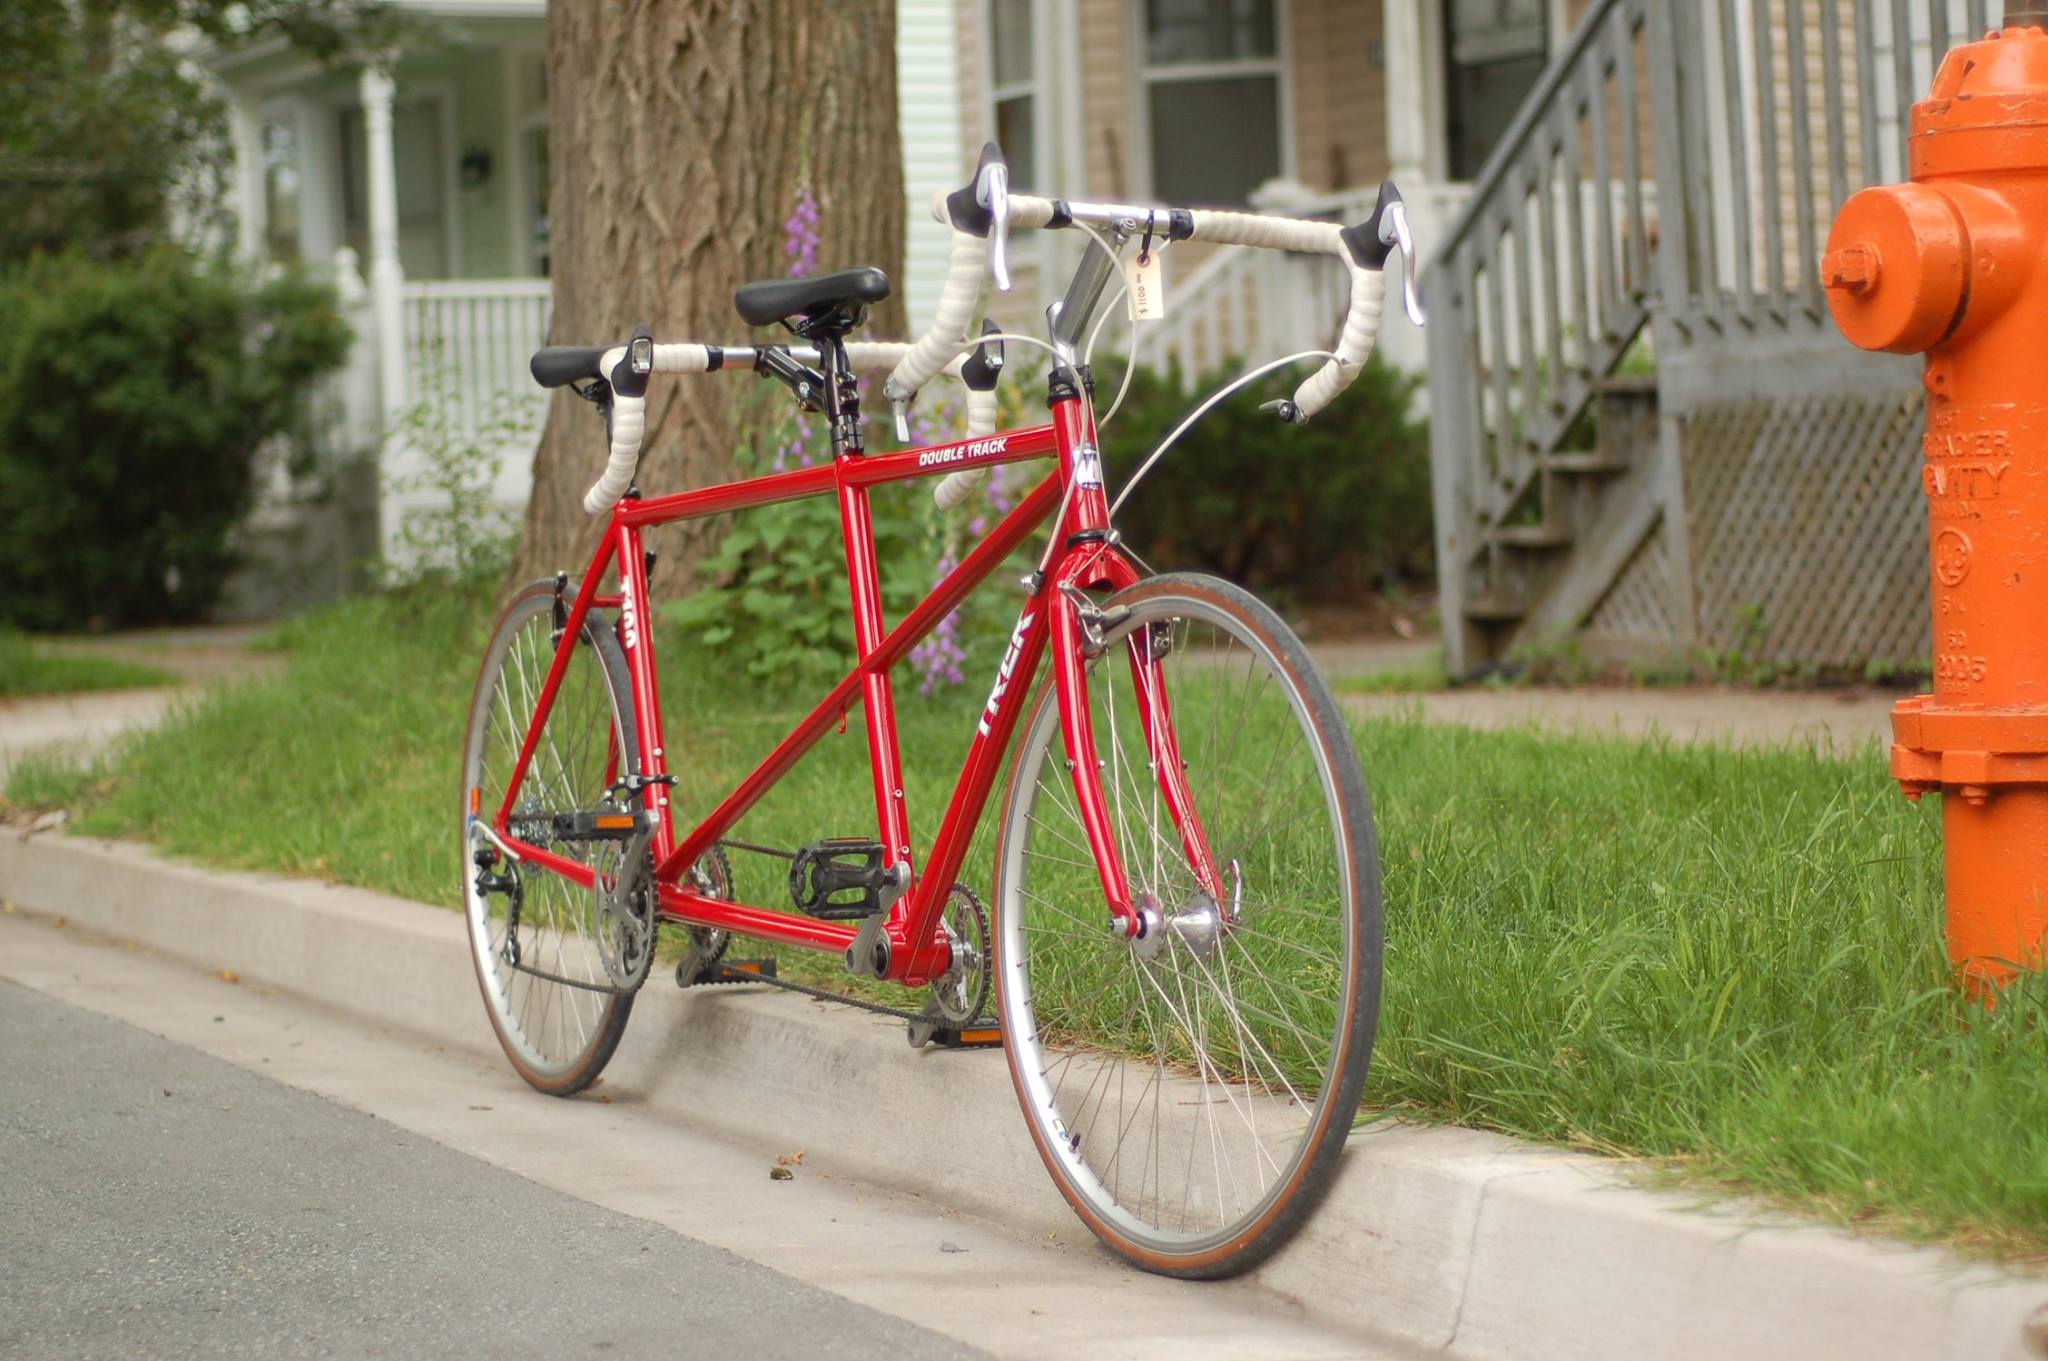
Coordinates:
(629,624)
(960,453)
(1003,674)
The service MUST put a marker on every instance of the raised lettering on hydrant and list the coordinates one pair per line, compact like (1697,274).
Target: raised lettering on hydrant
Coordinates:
(1955,266)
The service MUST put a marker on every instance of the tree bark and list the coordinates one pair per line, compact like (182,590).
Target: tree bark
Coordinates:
(682,133)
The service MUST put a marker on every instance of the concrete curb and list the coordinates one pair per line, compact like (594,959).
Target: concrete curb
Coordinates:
(1452,1240)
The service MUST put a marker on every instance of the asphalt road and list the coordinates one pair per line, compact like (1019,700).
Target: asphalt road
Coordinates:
(159,1202)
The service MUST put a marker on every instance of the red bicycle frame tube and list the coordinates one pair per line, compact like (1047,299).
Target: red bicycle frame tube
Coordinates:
(1083,557)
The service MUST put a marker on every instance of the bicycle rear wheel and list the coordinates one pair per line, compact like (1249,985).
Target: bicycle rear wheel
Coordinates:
(1191,1094)
(557,971)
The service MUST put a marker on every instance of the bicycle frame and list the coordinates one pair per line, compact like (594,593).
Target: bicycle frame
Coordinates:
(1085,557)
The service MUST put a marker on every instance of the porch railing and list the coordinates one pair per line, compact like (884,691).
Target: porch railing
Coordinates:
(467,344)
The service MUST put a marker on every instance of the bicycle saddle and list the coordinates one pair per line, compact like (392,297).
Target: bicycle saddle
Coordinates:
(828,301)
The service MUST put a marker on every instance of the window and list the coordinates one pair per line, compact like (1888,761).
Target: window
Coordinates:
(1212,93)
(535,149)
(1013,95)
(1494,52)
(281,188)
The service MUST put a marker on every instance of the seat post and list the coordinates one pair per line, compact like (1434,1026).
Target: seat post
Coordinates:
(842,395)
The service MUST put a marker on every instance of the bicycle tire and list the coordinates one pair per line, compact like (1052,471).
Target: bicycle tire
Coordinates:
(1285,996)
(558,1021)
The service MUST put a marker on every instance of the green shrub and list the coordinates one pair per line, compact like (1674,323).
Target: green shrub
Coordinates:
(1316,512)
(133,400)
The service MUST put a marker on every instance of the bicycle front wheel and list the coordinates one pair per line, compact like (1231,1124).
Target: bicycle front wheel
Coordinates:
(1190,1094)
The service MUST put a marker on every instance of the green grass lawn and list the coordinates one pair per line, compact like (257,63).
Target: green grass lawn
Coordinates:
(1724,962)
(33,666)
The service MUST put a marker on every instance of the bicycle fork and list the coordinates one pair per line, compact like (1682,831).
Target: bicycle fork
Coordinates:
(1078,627)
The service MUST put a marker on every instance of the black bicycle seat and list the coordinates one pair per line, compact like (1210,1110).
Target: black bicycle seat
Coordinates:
(814,300)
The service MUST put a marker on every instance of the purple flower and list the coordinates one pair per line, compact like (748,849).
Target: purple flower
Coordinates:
(794,451)
(938,658)
(800,234)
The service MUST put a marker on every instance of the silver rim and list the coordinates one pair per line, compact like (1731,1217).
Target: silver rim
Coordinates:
(1179,1086)
(553,1023)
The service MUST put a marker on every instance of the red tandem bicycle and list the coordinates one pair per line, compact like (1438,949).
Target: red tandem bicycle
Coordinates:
(1186,941)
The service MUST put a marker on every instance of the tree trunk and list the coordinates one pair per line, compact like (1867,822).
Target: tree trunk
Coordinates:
(682,134)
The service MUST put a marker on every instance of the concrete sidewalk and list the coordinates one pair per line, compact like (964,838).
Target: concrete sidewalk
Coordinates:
(1843,721)
(84,724)
(1449,1240)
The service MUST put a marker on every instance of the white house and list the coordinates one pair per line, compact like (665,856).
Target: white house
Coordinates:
(423,186)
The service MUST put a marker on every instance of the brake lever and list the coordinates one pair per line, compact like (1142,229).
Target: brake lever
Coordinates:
(1393,231)
(993,192)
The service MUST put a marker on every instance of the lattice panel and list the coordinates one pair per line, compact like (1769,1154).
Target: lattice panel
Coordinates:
(1809,534)
(1638,606)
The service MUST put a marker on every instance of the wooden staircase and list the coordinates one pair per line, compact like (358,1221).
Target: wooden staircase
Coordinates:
(1538,293)
(1663,194)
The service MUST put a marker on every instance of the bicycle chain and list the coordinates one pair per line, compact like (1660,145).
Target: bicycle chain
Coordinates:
(731,975)
(728,974)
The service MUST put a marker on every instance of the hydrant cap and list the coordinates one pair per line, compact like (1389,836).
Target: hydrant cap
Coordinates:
(1987,112)
(1894,268)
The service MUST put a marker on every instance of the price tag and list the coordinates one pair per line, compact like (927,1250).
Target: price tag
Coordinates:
(1145,286)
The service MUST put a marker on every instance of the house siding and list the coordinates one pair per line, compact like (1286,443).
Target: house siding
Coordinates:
(928,78)
(1337,92)
(1108,97)
(1339,100)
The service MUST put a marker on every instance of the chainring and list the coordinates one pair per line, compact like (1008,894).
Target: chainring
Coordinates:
(712,877)
(960,993)
(626,931)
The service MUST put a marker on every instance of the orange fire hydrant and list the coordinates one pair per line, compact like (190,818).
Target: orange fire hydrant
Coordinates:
(1955,265)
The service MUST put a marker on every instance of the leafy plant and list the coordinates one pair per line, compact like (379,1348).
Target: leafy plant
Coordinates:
(460,532)
(775,608)
(134,399)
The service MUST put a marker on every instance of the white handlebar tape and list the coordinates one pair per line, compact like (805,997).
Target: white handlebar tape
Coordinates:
(954,488)
(966,267)
(629,421)
(1354,343)
(678,359)
(628,428)
(1361,318)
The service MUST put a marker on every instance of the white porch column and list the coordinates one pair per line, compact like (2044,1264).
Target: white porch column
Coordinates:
(1408,83)
(1407,87)
(386,275)
(252,206)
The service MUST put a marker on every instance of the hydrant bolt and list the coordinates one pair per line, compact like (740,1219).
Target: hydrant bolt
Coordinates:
(1852,267)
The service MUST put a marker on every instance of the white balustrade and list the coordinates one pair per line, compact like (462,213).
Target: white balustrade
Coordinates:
(467,344)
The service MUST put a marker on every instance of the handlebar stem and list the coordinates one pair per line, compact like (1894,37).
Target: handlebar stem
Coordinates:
(1071,315)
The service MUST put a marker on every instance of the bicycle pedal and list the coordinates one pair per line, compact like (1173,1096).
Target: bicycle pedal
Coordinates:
(601,824)
(839,879)
(984,1033)
(726,971)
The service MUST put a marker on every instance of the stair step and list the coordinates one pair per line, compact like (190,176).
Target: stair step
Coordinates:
(1626,384)
(1588,462)
(1529,536)
(1494,609)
